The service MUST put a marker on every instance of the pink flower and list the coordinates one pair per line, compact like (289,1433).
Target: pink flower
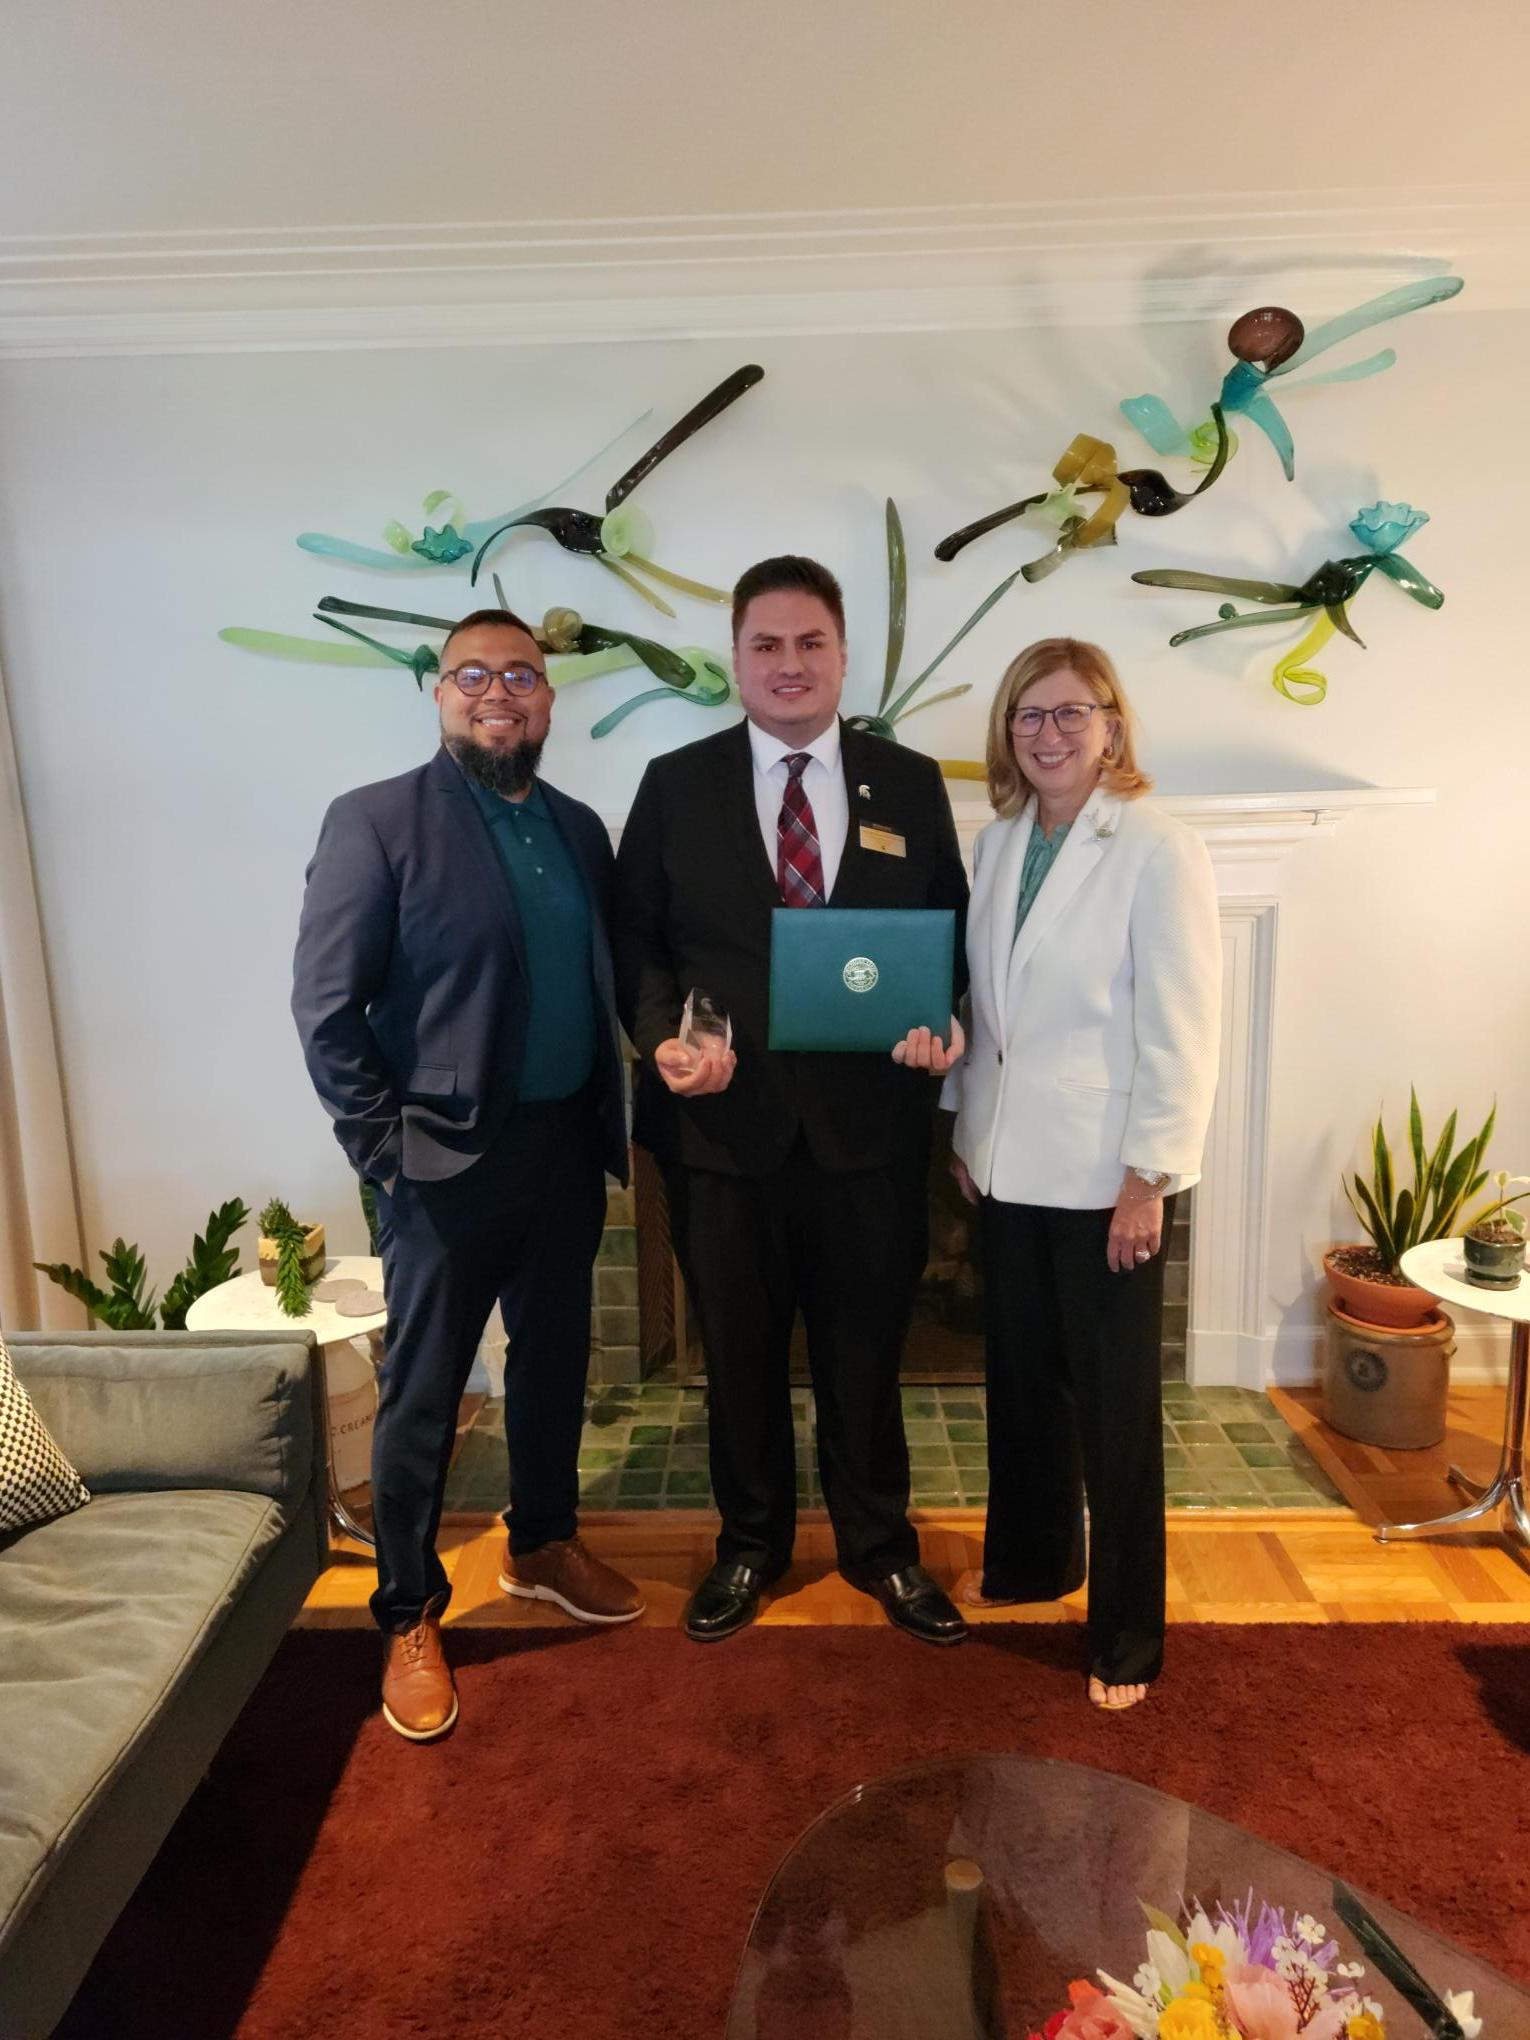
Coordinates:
(1091,2017)
(1260,2008)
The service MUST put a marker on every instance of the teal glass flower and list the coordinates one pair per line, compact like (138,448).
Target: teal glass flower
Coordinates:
(442,548)
(1385,526)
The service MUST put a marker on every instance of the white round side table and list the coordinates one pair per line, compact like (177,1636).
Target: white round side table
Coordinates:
(1440,1267)
(247,1304)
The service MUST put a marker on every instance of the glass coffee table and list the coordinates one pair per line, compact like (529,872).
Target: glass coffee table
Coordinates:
(958,1900)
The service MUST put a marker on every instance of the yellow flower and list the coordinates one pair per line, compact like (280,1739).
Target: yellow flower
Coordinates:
(1189,2019)
(1364,2026)
(1211,1962)
(1201,1992)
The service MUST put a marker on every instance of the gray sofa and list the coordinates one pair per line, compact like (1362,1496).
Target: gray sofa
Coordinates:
(133,1631)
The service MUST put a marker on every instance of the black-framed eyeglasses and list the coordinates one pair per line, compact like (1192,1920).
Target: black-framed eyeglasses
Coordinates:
(1068,718)
(517,679)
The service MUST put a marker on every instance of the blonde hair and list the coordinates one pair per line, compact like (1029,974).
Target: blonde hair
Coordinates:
(1008,787)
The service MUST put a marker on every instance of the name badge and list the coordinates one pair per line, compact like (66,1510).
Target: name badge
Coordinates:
(885,840)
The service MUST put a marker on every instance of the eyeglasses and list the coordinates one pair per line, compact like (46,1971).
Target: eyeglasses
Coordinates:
(1069,718)
(517,679)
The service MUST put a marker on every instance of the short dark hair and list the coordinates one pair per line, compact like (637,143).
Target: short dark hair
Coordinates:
(788,570)
(505,619)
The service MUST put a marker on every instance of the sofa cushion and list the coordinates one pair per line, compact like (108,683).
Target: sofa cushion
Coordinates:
(36,1480)
(104,1613)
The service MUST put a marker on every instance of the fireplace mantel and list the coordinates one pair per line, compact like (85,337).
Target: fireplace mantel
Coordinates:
(1249,834)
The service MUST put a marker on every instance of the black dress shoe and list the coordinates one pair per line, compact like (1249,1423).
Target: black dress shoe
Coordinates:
(728,1599)
(914,1602)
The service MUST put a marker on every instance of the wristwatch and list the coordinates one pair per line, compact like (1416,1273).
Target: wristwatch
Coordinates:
(1154,1178)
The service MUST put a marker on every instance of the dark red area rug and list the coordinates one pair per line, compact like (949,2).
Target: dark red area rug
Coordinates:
(582,1858)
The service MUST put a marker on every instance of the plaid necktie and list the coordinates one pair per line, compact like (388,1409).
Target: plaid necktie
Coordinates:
(799,867)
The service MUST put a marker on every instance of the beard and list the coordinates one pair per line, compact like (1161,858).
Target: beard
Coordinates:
(507,773)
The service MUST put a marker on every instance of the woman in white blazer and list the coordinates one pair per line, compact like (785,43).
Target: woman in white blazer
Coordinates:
(1082,1107)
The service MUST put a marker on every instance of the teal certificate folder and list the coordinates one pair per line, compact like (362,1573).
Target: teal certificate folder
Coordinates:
(858,978)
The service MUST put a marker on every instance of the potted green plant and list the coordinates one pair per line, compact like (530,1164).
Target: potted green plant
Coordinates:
(1367,1281)
(129,1305)
(1494,1239)
(291,1256)
(1386,1373)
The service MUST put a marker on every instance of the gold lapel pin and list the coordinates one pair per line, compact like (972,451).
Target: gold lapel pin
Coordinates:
(864,792)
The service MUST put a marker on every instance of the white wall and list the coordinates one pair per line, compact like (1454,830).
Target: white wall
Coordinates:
(174,785)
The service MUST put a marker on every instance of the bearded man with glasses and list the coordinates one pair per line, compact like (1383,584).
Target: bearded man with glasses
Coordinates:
(453,992)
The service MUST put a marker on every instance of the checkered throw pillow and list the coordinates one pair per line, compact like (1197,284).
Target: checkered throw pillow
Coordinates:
(36,1480)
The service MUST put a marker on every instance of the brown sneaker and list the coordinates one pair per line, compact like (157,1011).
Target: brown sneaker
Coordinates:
(567,1575)
(418,1697)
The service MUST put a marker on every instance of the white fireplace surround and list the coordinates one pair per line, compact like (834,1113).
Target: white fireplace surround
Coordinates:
(1249,836)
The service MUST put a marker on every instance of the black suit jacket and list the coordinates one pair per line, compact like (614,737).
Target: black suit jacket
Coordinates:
(694,895)
(409,984)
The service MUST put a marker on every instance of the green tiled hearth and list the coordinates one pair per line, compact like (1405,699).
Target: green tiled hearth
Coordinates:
(646,1448)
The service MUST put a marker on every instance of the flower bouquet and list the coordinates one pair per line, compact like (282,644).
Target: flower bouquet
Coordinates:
(1250,1972)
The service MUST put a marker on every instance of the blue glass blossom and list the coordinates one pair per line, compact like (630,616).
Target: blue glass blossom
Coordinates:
(1385,526)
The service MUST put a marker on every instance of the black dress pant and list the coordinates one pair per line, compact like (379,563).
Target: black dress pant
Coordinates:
(848,1250)
(1075,1408)
(521,1225)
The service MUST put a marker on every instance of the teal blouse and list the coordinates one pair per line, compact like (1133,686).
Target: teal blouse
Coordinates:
(1040,855)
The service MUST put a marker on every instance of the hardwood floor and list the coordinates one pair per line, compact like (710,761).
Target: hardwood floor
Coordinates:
(1287,1565)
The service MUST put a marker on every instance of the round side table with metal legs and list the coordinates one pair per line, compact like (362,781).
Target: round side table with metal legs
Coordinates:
(1439,1267)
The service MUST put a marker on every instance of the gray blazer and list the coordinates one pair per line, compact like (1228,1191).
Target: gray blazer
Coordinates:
(409,983)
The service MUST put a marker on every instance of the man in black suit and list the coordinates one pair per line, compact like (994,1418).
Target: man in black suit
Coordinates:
(453,991)
(794,1181)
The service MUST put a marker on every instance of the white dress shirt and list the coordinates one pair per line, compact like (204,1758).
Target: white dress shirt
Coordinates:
(823,781)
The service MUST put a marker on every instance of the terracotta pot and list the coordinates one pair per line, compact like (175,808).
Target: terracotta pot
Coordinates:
(1387,1387)
(313,1256)
(1397,1305)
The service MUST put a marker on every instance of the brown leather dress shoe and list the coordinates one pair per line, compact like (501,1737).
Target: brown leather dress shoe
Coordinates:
(418,1696)
(573,1580)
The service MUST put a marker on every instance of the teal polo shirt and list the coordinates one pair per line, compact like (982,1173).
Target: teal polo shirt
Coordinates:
(545,883)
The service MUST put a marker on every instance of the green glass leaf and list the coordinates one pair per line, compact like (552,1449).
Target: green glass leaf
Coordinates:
(946,694)
(950,547)
(712,405)
(318,651)
(1392,304)
(395,535)
(710,687)
(623,573)
(896,708)
(336,605)
(1410,580)
(897,600)
(1251,619)
(565,668)
(1338,616)
(1217,584)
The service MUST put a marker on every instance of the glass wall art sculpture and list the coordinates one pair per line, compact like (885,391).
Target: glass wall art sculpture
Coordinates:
(1088,468)
(619,539)
(1270,342)
(622,539)
(1324,596)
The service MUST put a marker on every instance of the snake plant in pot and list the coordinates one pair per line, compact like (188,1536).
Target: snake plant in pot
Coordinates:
(1368,1282)
(1386,1370)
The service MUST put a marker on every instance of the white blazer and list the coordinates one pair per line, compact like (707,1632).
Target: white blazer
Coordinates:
(1094,1035)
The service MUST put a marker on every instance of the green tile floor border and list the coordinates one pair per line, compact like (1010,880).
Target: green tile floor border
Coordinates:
(645,1447)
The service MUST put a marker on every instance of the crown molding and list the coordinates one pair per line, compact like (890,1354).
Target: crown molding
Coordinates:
(933,268)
